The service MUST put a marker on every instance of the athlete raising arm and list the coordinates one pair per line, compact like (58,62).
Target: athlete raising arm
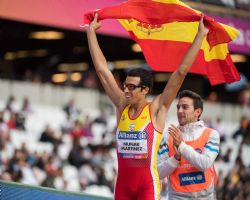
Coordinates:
(140,123)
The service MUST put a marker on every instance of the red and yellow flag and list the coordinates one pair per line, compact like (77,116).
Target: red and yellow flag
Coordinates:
(165,29)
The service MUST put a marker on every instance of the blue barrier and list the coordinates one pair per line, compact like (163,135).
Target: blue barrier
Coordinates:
(17,191)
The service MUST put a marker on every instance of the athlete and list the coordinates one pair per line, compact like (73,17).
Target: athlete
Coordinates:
(140,123)
(187,154)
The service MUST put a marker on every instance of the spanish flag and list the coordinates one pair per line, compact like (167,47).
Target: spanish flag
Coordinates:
(165,29)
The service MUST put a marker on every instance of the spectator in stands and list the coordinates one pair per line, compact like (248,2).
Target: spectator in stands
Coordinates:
(4,129)
(28,175)
(87,125)
(51,172)
(71,109)
(235,184)
(20,121)
(13,166)
(6,152)
(77,130)
(76,155)
(11,104)
(246,138)
(213,97)
(226,157)
(134,116)
(16,121)
(48,135)
(243,127)
(244,98)
(5,176)
(11,123)
(26,107)
(102,179)
(187,153)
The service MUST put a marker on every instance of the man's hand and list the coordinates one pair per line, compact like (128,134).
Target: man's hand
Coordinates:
(202,30)
(95,24)
(175,133)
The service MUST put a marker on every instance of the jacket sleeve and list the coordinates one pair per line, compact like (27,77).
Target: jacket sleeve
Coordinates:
(205,159)
(165,164)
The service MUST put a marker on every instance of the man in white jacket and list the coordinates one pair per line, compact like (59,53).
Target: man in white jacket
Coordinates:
(186,155)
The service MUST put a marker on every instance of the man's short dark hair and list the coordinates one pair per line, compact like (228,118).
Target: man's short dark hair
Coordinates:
(146,77)
(197,100)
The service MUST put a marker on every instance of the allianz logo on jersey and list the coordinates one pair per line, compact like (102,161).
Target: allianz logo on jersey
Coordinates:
(192,178)
(136,135)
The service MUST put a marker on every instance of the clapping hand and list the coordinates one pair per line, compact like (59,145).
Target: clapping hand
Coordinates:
(176,134)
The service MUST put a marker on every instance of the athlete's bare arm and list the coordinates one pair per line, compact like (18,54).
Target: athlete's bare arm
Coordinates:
(105,75)
(162,102)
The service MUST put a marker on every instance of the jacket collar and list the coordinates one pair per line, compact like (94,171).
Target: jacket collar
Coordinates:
(188,128)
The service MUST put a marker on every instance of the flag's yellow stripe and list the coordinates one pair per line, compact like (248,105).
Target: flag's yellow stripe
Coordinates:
(233,33)
(178,31)
(219,51)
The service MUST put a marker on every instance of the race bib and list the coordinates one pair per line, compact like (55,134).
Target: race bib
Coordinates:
(132,144)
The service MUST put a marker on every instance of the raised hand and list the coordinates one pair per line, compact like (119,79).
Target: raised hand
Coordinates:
(203,30)
(95,24)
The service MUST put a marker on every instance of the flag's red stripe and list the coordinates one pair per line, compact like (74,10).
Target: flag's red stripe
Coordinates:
(150,12)
(217,71)
(222,71)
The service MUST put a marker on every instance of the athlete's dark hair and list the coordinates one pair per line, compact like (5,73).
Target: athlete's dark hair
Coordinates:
(146,77)
(197,100)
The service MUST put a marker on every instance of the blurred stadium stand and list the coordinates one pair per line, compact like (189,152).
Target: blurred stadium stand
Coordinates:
(65,60)
(236,4)
(87,161)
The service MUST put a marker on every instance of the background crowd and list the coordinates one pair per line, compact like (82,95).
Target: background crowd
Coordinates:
(73,150)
